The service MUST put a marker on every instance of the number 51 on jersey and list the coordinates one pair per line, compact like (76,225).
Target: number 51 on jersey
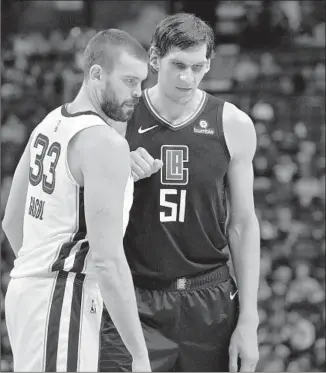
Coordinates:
(173,173)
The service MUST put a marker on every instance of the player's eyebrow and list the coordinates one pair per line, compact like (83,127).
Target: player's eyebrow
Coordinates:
(128,76)
(197,63)
(136,79)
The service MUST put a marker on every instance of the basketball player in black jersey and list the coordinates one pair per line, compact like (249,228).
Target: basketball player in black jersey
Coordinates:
(185,215)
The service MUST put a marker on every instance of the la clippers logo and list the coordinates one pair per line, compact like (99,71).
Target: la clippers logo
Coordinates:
(174,171)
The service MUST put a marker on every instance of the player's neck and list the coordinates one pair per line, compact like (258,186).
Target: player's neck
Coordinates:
(170,110)
(85,102)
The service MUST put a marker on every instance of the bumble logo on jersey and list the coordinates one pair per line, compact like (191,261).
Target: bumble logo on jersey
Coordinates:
(203,128)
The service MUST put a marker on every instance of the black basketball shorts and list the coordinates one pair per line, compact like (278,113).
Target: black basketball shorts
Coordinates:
(187,325)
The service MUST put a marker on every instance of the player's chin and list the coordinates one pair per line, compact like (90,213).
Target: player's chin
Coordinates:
(128,110)
(124,116)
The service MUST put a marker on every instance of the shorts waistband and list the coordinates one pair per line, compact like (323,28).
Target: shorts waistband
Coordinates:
(216,276)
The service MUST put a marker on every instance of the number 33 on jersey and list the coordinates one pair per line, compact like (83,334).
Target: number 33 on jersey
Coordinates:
(174,173)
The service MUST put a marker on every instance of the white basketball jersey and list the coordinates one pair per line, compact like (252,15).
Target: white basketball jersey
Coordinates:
(54,223)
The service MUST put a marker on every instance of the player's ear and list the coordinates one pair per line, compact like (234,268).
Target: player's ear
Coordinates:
(95,73)
(153,59)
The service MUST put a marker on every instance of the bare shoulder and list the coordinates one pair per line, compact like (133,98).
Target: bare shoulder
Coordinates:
(93,141)
(239,131)
(98,152)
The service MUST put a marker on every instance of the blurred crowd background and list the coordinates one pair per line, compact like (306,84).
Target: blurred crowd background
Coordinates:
(270,61)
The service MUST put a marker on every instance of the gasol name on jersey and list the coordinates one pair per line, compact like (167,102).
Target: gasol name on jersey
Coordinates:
(36,208)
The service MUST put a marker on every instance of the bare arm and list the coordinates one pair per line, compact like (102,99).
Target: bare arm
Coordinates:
(105,167)
(243,227)
(13,220)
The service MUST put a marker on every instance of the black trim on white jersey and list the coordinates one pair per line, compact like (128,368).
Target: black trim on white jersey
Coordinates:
(66,247)
(65,113)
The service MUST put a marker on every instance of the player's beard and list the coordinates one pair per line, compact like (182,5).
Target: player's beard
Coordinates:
(117,111)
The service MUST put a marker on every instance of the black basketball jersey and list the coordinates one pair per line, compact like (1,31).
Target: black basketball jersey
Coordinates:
(177,221)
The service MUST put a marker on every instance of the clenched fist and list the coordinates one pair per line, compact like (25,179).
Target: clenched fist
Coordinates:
(143,164)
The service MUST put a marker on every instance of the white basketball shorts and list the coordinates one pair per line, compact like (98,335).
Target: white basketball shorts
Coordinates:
(54,323)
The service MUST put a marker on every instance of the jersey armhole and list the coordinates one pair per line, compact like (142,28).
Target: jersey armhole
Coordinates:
(220,130)
(69,174)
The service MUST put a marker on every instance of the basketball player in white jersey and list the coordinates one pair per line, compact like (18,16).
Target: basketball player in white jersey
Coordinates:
(65,220)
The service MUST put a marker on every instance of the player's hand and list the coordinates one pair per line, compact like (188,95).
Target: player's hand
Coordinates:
(244,346)
(141,365)
(143,164)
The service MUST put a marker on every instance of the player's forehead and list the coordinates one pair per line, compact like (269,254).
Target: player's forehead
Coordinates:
(127,65)
(189,56)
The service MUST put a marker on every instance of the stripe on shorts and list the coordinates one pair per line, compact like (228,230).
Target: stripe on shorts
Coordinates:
(54,323)
(75,317)
(70,358)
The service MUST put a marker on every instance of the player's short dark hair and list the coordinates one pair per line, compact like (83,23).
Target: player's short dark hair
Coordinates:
(183,30)
(104,48)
